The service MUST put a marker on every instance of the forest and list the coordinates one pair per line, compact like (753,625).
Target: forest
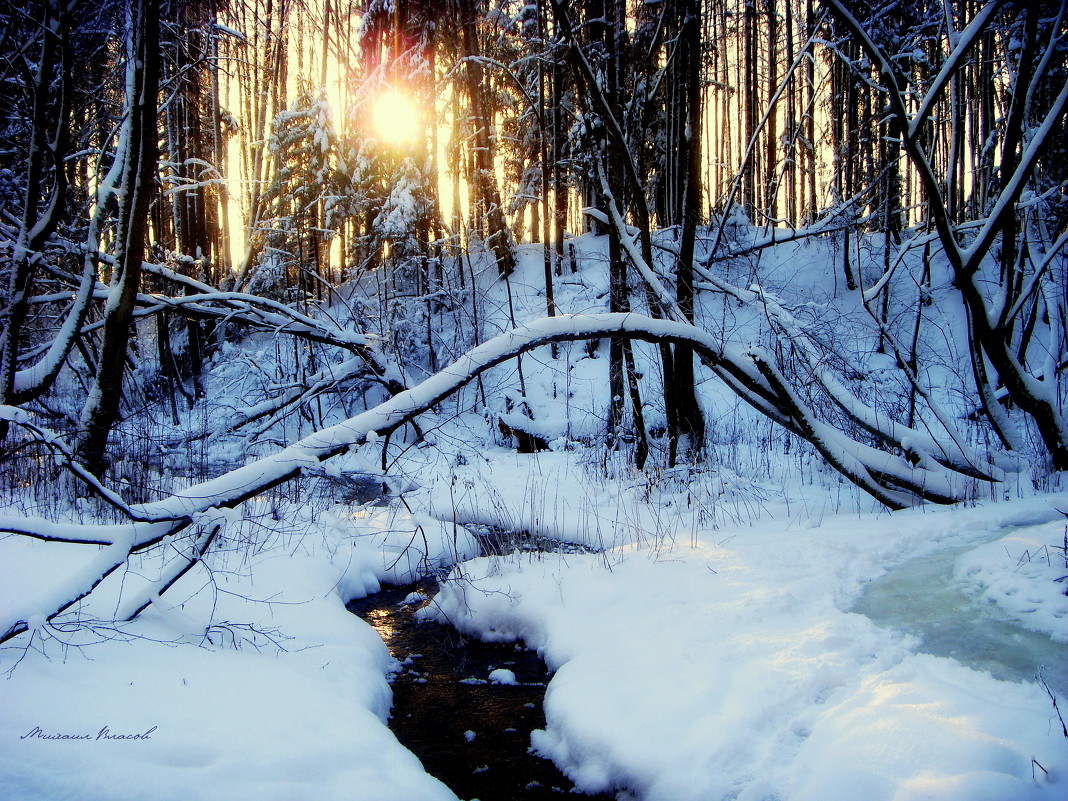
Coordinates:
(640,276)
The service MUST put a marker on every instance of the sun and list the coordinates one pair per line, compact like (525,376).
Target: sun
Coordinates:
(396,119)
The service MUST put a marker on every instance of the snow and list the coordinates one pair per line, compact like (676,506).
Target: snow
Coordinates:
(213,675)
(730,666)
(706,630)
(1023,575)
(734,669)
(502,676)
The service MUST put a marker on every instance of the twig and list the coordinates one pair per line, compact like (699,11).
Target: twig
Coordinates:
(1052,697)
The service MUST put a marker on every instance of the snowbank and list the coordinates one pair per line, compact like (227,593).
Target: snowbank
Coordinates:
(1024,573)
(733,670)
(284,697)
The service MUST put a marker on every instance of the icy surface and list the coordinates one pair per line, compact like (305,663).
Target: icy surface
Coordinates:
(930,598)
(732,669)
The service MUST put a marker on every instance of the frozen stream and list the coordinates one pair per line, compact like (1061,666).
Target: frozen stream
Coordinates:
(921,597)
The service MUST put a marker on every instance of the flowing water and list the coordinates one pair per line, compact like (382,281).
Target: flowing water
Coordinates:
(472,734)
(920,597)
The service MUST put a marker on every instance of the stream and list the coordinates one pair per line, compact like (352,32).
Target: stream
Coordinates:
(473,733)
(920,597)
(469,732)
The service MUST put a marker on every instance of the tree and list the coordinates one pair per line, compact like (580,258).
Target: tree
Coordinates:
(294,250)
(483,173)
(139,154)
(1038,98)
(49,85)
(691,423)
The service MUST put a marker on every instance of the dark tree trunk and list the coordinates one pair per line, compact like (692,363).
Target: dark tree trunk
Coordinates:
(101,410)
(44,204)
(499,237)
(688,438)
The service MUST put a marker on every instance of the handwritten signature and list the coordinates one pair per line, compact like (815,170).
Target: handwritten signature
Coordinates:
(37,733)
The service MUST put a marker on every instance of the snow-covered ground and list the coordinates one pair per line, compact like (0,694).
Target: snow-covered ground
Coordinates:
(253,682)
(723,663)
(710,649)
(732,667)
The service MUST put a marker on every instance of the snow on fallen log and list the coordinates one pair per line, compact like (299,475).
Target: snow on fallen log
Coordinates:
(202,503)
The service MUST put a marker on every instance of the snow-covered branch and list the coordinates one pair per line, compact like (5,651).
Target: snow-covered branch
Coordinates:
(890,478)
(921,445)
(990,335)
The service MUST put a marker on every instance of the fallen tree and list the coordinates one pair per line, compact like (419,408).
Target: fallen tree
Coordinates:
(897,480)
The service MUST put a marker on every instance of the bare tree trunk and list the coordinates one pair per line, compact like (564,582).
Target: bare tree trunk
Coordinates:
(687,441)
(499,236)
(542,226)
(560,189)
(769,180)
(601,31)
(101,410)
(750,194)
(48,144)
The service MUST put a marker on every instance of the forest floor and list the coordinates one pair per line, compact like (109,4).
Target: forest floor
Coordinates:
(704,644)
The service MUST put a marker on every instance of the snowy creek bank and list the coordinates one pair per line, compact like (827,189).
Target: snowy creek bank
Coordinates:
(465,708)
(923,597)
(736,668)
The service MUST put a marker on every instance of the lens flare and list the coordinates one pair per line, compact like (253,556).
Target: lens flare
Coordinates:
(396,119)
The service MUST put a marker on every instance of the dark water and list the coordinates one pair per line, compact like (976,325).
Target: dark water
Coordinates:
(471,734)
